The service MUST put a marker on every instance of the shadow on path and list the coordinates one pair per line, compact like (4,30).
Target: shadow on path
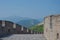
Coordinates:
(5,35)
(0,39)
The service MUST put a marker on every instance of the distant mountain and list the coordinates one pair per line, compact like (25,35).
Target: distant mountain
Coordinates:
(27,22)
(14,19)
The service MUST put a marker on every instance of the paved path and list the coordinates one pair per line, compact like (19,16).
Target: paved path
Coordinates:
(24,37)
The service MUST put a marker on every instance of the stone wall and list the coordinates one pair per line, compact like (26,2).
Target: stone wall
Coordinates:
(8,27)
(52,27)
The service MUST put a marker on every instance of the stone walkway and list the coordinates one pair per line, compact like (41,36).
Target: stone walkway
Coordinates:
(24,37)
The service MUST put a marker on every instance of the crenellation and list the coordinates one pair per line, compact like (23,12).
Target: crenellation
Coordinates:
(7,27)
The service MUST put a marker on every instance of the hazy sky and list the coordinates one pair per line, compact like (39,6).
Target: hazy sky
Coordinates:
(29,8)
